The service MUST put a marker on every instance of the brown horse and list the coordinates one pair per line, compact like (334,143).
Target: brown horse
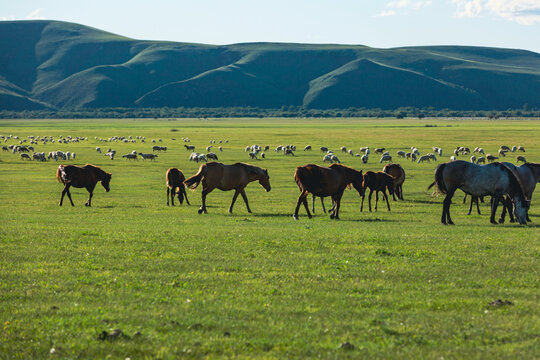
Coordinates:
(175,179)
(377,181)
(397,172)
(82,177)
(227,177)
(322,181)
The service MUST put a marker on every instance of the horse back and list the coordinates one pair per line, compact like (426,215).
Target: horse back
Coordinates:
(174,177)
(318,180)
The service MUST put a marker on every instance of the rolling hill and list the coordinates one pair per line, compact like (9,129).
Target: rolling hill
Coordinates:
(59,65)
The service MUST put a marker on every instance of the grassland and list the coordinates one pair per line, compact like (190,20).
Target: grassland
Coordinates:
(393,284)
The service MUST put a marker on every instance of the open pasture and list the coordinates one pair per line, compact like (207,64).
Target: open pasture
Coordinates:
(179,284)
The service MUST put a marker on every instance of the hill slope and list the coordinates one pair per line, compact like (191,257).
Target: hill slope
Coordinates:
(69,66)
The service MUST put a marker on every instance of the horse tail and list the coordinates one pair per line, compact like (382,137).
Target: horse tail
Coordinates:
(61,175)
(195,180)
(439,181)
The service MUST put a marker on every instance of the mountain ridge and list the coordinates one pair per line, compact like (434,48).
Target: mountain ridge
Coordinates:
(59,65)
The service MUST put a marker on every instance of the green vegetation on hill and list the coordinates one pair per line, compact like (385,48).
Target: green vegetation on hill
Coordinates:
(64,66)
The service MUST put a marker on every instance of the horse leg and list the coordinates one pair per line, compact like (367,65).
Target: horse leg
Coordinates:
(64,192)
(183,190)
(168,196)
(369,198)
(244,196)
(477,206)
(362,204)
(90,189)
(401,192)
(304,201)
(313,204)
(376,199)
(233,200)
(446,208)
(465,199)
(394,194)
(494,203)
(386,197)
(205,192)
(337,203)
(322,203)
(470,206)
(300,200)
(503,213)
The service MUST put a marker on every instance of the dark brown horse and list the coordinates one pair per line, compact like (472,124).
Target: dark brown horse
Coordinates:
(227,177)
(377,181)
(82,177)
(398,173)
(495,179)
(322,182)
(175,180)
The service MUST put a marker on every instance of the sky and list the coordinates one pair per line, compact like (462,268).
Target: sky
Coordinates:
(382,24)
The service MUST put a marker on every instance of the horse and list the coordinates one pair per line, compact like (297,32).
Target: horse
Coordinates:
(398,173)
(378,181)
(175,179)
(322,182)
(82,177)
(227,177)
(494,179)
(528,175)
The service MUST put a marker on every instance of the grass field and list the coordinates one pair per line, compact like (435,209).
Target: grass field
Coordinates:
(393,284)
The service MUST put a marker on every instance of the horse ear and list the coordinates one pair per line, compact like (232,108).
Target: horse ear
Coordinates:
(265,171)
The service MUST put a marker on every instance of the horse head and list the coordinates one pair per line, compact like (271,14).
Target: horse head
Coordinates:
(358,182)
(105,181)
(390,184)
(264,180)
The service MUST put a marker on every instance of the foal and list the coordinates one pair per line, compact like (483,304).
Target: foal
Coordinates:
(378,181)
(175,179)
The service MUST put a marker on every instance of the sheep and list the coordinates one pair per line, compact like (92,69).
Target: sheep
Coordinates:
(307,148)
(413,157)
(481,159)
(456,152)
(364,149)
(279,148)
(521,148)
(502,153)
(25,156)
(364,159)
(505,148)
(289,152)
(357,155)
(189,147)
(73,156)
(253,156)
(514,148)
(327,158)
(479,150)
(432,156)
(324,149)
(415,151)
(521,158)
(220,149)
(424,158)
(491,158)
(39,156)
(110,154)
(386,157)
(473,159)
(98,150)
(211,156)
(208,148)
(266,148)
(379,150)
(335,159)
(194,156)
(401,154)
(343,149)
(452,158)
(248,148)
(148,156)
(202,157)
(351,152)
(130,156)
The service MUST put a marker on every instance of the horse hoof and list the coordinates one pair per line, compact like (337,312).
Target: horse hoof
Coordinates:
(501,221)
(200,211)
(295,217)
(310,216)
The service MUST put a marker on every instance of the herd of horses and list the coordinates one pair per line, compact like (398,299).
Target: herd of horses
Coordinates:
(496,180)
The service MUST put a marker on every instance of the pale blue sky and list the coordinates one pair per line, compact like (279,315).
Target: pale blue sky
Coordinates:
(383,24)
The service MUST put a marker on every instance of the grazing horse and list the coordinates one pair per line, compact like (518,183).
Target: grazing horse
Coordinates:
(227,177)
(378,181)
(322,182)
(175,179)
(495,179)
(81,177)
(528,175)
(397,172)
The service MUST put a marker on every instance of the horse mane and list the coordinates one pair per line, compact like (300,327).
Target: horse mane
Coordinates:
(250,168)
(534,167)
(515,182)
(99,170)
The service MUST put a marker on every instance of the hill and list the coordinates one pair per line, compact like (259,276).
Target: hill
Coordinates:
(59,65)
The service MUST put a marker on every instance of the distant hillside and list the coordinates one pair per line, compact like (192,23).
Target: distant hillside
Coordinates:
(59,65)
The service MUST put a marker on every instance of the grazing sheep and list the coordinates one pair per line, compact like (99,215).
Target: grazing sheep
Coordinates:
(253,156)
(521,158)
(481,159)
(514,148)
(25,156)
(479,150)
(248,148)
(148,156)
(505,148)
(343,149)
(220,149)
(415,151)
(452,158)
(502,152)
(386,157)
(266,148)
(424,158)
(130,156)
(456,152)
(521,148)
(473,159)
(289,152)
(73,156)
(351,152)
(364,159)
(432,156)
(401,154)
(110,154)
(98,150)
(413,157)
(308,147)
(324,149)
(327,158)
(189,147)
(194,156)
(335,159)
(208,148)
(263,155)
(202,157)
(379,150)
(279,148)
(491,158)
(211,156)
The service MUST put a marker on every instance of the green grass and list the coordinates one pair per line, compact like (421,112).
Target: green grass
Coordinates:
(394,284)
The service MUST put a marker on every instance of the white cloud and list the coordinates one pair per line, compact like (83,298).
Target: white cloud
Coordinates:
(525,12)
(7,18)
(393,7)
(386,13)
(34,15)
